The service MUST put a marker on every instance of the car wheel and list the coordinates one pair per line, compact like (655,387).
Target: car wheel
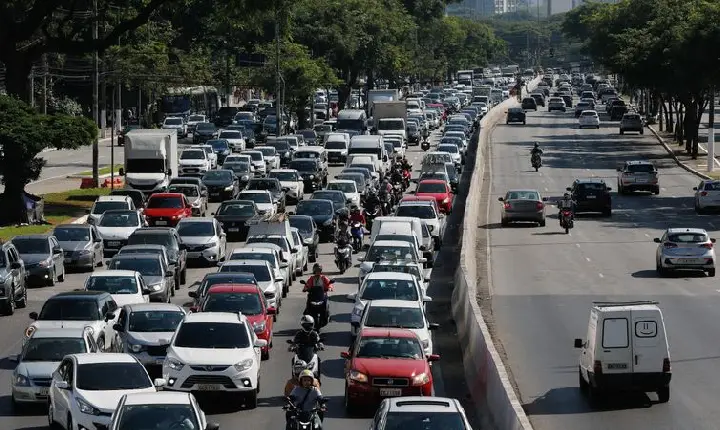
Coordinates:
(61,277)
(607,212)
(10,306)
(656,191)
(183,276)
(659,269)
(642,132)
(542,223)
(622,131)
(23,300)
(711,273)
(350,409)
(582,382)
(663,394)
(504,222)
(51,279)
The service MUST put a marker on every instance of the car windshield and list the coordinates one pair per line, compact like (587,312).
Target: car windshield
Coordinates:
(390,124)
(591,186)
(194,154)
(158,417)
(151,239)
(254,155)
(101,207)
(52,348)
(449,148)
(304,225)
(219,175)
(196,118)
(71,234)
(146,266)
(275,240)
(523,195)
(256,197)
(112,284)
(219,145)
(187,190)
(641,168)
(314,207)
(306,155)
(238,209)
(303,165)
(589,113)
(380,316)
(70,310)
(247,303)
(416,211)
(387,289)
(336,144)
(709,186)
(205,126)
(28,245)
(196,228)
(382,252)
(390,347)
(431,187)
(261,272)
(226,278)
(125,376)
(126,219)
(687,237)
(162,202)
(284,176)
(230,134)
(267,151)
(424,420)
(392,268)
(154,321)
(212,335)
(173,121)
(237,167)
(345,187)
(263,184)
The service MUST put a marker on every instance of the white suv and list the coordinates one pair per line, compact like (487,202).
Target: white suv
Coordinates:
(194,161)
(215,352)
(430,412)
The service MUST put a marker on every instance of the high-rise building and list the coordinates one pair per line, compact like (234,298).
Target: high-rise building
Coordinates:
(481,8)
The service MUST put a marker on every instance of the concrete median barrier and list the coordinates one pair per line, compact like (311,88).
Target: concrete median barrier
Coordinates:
(486,376)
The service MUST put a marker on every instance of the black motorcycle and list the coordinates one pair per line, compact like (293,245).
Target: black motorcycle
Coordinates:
(370,216)
(536,161)
(319,310)
(425,145)
(304,420)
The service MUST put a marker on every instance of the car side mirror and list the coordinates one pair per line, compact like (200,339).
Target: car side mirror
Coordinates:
(271,311)
(118,327)
(159,382)
(295,250)
(33,315)
(62,385)
(501,199)
(579,343)
(15,265)
(433,357)
(345,355)
(712,240)
(260,343)
(568,189)
(109,316)
(427,299)
(433,326)
(193,294)
(695,188)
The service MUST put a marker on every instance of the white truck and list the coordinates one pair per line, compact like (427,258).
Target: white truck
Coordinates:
(151,159)
(374,96)
(391,118)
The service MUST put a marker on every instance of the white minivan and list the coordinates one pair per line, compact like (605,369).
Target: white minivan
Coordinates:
(626,349)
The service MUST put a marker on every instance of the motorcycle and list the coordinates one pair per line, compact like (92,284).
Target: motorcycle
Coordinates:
(302,420)
(357,232)
(305,358)
(566,220)
(343,258)
(536,161)
(425,145)
(398,193)
(370,216)
(406,178)
(319,310)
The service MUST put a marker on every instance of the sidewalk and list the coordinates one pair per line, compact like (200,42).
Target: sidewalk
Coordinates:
(697,167)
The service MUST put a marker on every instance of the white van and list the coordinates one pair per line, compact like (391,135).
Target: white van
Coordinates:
(369,145)
(312,152)
(414,223)
(336,146)
(626,350)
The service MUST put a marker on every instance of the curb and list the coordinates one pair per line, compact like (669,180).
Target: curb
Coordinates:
(75,176)
(674,157)
(81,220)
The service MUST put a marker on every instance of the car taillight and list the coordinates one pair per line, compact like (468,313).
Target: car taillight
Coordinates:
(704,193)
(707,245)
(597,367)
(669,245)
(666,365)
(540,206)
(507,206)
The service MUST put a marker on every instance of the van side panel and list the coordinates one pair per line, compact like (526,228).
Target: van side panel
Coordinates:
(649,341)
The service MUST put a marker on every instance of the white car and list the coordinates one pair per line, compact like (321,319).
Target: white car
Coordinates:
(685,249)
(212,156)
(291,181)
(263,201)
(203,238)
(454,152)
(235,139)
(176,123)
(707,195)
(415,269)
(270,253)
(407,314)
(425,210)
(386,250)
(171,410)
(194,120)
(348,187)
(257,159)
(145,330)
(86,388)
(215,352)
(589,118)
(303,254)
(240,158)
(106,203)
(193,161)
(286,245)
(270,282)
(384,286)
(272,159)
(460,135)
(125,286)
(116,226)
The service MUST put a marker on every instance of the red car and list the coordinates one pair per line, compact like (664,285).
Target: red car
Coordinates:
(438,189)
(167,209)
(245,298)
(386,362)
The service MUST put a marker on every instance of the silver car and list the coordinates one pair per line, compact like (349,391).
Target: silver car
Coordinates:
(522,205)
(203,238)
(197,198)
(116,226)
(707,196)
(685,249)
(81,244)
(145,330)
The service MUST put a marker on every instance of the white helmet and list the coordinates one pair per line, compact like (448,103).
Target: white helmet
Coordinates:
(307,323)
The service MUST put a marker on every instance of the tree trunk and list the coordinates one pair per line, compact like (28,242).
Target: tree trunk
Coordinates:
(17,73)
(302,116)
(688,125)
(13,202)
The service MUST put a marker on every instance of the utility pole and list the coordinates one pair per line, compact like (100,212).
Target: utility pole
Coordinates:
(45,74)
(711,132)
(95,101)
(114,120)
(278,107)
(31,78)
(228,90)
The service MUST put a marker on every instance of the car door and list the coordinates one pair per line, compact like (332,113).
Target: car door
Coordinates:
(97,243)
(648,341)
(57,256)
(18,275)
(62,397)
(222,237)
(616,347)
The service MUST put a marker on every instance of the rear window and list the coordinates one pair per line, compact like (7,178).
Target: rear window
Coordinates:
(615,333)
(712,186)
(687,238)
(641,168)
(591,186)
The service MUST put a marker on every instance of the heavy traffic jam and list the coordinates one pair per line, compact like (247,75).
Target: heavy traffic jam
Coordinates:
(270,217)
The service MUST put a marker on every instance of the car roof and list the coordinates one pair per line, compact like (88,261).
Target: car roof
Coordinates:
(340,181)
(84,226)
(111,273)
(233,288)
(590,181)
(54,332)
(397,243)
(138,255)
(220,317)
(69,295)
(31,236)
(106,357)
(158,195)
(677,230)
(246,263)
(399,276)
(254,192)
(155,230)
(639,162)
(144,246)
(112,198)
(424,404)
(395,304)
(197,219)
(523,190)
(158,398)
(432,181)
(153,306)
(387,332)
(256,249)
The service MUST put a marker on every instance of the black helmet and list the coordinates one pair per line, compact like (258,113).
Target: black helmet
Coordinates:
(317,269)
(537,145)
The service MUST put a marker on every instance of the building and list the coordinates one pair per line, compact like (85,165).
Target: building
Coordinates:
(481,8)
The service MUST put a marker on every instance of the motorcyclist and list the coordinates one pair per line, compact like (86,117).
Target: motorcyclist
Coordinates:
(356,216)
(536,149)
(386,186)
(566,203)
(306,336)
(397,176)
(372,201)
(317,287)
(406,164)
(307,397)
(293,382)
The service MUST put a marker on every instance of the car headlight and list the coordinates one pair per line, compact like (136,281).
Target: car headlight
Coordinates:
(86,252)
(358,376)
(209,245)
(245,178)
(45,263)
(174,364)
(446,200)
(229,188)
(196,204)
(21,381)
(136,348)
(312,176)
(156,287)
(243,365)
(286,154)
(421,379)
(308,241)
(86,407)
(259,327)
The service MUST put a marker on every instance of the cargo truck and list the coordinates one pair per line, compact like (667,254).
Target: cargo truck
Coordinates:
(391,95)
(151,159)
(391,118)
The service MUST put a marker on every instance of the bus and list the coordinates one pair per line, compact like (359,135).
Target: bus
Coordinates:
(465,77)
(183,101)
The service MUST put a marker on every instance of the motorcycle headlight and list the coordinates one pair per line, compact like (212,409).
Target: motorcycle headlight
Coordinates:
(174,364)
(243,365)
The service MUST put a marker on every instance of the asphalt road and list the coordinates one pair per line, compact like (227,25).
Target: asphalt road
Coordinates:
(274,372)
(544,281)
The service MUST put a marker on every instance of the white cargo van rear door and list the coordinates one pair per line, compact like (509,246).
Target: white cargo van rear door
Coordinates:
(649,342)
(615,343)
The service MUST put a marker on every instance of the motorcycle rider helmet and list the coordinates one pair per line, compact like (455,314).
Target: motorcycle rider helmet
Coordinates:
(354,209)
(317,269)
(537,145)
(307,323)
(566,196)
(306,374)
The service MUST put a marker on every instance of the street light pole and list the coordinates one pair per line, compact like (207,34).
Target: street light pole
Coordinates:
(278,107)
(95,102)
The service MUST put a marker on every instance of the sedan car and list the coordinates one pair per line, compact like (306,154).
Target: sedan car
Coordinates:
(43,257)
(222,184)
(589,118)
(581,107)
(405,314)
(234,216)
(323,215)
(234,138)
(81,244)
(197,198)
(438,189)
(685,249)
(522,205)
(274,187)
(204,239)
(203,132)
(591,195)
(348,187)
(164,409)
(556,103)
(263,200)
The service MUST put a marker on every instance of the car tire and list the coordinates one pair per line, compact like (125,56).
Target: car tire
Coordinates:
(542,223)
(656,190)
(582,383)
(607,212)
(51,279)
(350,409)
(642,132)
(183,276)
(504,222)
(711,273)
(661,271)
(622,131)
(598,127)
(663,394)
(524,122)
(22,303)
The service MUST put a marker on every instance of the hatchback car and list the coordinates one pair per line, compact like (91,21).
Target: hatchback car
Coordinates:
(685,249)
(515,115)
(707,196)
(638,176)
(235,216)
(167,209)
(522,205)
(204,239)
(440,190)
(556,103)
(589,118)
(434,413)
(591,195)
(631,122)
(43,258)
(81,244)
(529,103)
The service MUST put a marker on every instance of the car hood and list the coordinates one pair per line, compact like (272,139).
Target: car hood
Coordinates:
(264,206)
(73,246)
(150,338)
(320,219)
(233,218)
(127,299)
(116,232)
(436,196)
(37,369)
(215,356)
(163,211)
(34,258)
(289,184)
(192,162)
(152,280)
(197,240)
(217,183)
(397,368)
(205,133)
(107,401)
(96,325)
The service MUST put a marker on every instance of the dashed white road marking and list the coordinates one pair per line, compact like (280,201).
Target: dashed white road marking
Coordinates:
(588,259)
(578,245)
(601,275)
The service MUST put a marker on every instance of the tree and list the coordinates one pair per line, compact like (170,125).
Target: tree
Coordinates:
(24,133)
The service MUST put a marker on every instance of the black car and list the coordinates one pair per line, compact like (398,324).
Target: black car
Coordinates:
(234,215)
(170,239)
(222,184)
(529,103)
(137,196)
(515,115)
(195,180)
(225,115)
(591,195)
(323,213)
(308,233)
(310,136)
(539,99)
(123,132)
(568,99)
(283,148)
(243,171)
(336,196)
(311,171)
(273,185)
(204,131)
(617,112)
(221,148)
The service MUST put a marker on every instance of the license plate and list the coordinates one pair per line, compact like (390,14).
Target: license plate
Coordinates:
(209,387)
(590,197)
(68,260)
(641,181)
(160,222)
(390,392)
(113,243)
(44,392)
(617,366)
(687,260)
(233,230)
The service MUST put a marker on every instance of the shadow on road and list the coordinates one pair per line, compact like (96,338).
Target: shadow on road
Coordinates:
(569,400)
